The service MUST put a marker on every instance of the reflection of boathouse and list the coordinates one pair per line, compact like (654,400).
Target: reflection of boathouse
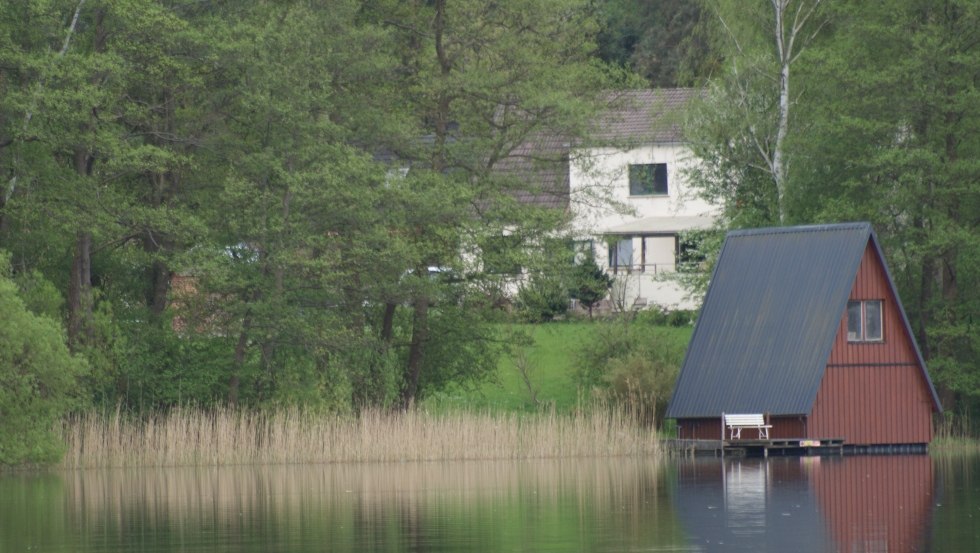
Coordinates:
(859,504)
(804,325)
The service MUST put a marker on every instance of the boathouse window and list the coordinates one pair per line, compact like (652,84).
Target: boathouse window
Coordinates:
(864,321)
(648,179)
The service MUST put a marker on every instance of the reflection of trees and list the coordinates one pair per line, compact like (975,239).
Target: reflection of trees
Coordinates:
(388,506)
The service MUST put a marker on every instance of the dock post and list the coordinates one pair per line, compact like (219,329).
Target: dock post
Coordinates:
(722,434)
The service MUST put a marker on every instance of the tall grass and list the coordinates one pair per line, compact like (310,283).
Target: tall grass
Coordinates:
(955,433)
(194,437)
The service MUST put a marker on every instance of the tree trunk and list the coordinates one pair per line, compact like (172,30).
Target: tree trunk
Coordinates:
(241,348)
(388,324)
(80,299)
(416,351)
(925,300)
(164,187)
(80,292)
(782,128)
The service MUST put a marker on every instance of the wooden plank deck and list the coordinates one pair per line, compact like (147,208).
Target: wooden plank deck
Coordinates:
(764,448)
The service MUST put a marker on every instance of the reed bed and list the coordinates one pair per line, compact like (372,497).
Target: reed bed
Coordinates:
(955,433)
(196,437)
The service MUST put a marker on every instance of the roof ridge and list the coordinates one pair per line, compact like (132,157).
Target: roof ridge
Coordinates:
(827,227)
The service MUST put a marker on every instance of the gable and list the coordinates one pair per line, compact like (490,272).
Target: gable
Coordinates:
(769,320)
(871,284)
(898,347)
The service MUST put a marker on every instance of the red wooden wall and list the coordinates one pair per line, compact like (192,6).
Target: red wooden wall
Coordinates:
(873,392)
(710,429)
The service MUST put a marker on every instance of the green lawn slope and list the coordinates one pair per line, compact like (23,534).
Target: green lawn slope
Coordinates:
(551,362)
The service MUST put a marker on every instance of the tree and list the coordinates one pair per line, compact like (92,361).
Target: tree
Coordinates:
(39,379)
(882,130)
(480,80)
(741,132)
(589,283)
(657,39)
(891,138)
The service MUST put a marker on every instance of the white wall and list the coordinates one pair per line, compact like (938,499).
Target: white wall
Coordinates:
(599,186)
(602,207)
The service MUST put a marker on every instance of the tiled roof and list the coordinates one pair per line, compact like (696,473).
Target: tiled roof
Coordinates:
(540,167)
(633,116)
(647,116)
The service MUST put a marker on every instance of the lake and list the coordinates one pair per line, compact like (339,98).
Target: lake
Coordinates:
(850,504)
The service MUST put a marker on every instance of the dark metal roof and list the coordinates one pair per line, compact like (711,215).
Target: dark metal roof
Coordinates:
(769,320)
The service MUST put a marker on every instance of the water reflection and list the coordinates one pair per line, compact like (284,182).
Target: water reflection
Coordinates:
(597,505)
(853,504)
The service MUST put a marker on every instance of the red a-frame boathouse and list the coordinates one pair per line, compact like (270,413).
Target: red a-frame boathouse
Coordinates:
(804,325)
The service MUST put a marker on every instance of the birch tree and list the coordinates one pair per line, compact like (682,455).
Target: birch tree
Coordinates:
(742,134)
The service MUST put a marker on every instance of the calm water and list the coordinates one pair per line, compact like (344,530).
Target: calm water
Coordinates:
(894,504)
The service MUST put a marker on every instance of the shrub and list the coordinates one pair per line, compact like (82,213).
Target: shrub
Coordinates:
(38,379)
(542,299)
(589,283)
(632,363)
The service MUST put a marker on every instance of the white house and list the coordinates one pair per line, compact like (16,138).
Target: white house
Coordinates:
(629,198)
(625,190)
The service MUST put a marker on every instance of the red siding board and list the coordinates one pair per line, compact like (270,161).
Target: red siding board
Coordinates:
(873,393)
(710,429)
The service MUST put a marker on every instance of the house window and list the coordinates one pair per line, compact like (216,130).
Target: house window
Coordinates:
(691,256)
(621,254)
(649,179)
(582,251)
(864,323)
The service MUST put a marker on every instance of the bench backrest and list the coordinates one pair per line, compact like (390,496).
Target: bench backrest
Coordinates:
(745,420)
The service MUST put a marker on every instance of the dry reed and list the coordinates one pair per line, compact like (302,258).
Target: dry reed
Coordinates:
(192,437)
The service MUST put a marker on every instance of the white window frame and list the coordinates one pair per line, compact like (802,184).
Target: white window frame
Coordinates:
(860,334)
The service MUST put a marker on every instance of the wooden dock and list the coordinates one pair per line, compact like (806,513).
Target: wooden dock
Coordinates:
(757,448)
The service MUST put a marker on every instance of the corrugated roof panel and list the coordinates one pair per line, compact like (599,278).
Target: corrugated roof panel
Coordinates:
(769,320)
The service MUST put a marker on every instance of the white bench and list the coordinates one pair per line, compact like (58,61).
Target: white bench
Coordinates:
(735,424)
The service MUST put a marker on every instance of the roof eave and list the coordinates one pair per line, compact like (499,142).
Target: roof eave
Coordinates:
(936,404)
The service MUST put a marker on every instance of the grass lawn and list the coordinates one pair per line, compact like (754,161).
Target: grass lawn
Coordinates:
(551,362)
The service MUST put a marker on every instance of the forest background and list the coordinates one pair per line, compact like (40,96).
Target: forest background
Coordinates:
(205,202)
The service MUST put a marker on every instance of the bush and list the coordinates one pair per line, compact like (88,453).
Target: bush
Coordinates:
(663,317)
(38,379)
(632,363)
(542,299)
(590,284)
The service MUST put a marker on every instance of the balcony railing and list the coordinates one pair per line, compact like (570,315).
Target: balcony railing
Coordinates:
(655,268)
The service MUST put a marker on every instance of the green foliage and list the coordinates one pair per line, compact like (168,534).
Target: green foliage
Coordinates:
(38,379)
(658,40)
(631,362)
(883,130)
(676,318)
(281,202)
(542,298)
(589,282)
